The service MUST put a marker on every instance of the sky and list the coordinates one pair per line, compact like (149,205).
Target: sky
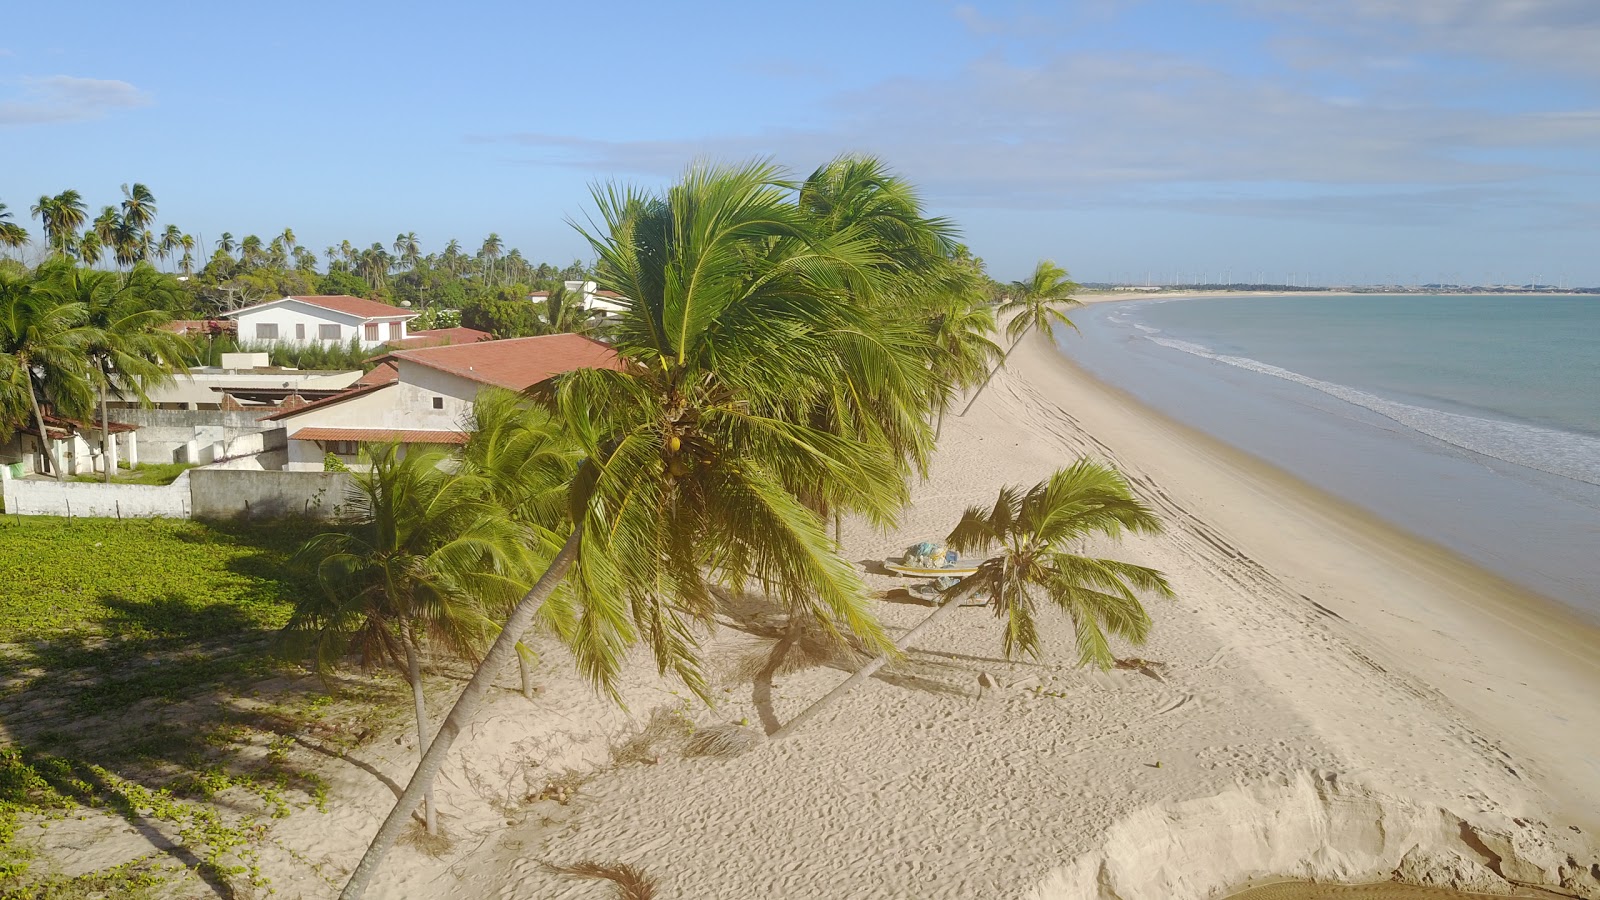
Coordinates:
(1314,141)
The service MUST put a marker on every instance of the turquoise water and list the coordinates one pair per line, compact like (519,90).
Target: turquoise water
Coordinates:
(1472,421)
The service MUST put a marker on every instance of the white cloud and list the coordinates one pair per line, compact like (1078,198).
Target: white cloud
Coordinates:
(63,98)
(1083,129)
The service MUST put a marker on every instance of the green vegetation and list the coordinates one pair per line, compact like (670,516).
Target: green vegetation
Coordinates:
(143,473)
(175,620)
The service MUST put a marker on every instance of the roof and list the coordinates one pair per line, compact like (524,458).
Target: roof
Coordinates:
(355,391)
(340,303)
(200,326)
(516,363)
(60,428)
(380,435)
(441,337)
(387,372)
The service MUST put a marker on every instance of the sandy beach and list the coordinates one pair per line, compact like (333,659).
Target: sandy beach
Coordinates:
(1326,698)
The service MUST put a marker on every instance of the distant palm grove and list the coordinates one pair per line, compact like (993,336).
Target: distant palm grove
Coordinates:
(484,287)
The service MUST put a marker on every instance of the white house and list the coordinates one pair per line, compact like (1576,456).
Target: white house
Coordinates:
(326,319)
(424,396)
(595,301)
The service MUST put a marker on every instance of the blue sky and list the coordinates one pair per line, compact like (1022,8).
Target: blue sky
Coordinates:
(1336,141)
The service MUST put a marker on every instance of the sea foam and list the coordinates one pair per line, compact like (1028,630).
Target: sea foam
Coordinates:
(1562,453)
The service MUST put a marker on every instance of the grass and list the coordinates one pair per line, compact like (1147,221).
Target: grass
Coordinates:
(144,473)
(133,667)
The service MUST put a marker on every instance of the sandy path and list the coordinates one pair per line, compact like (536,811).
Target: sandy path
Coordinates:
(1280,660)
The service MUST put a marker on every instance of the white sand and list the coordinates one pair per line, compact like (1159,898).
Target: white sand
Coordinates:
(1336,698)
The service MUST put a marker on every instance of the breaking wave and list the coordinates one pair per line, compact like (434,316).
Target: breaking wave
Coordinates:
(1562,453)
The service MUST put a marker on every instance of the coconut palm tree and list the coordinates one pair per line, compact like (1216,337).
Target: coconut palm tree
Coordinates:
(251,251)
(426,552)
(289,241)
(128,351)
(488,253)
(733,298)
(225,244)
(561,312)
(11,234)
(90,251)
(407,249)
(61,216)
(528,463)
(962,351)
(171,239)
(452,257)
(1033,305)
(42,359)
(138,206)
(1036,567)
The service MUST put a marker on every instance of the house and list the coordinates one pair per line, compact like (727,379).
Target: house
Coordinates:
(597,302)
(323,319)
(424,396)
(74,448)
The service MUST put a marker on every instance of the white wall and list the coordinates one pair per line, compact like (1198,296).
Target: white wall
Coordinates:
(289,314)
(138,501)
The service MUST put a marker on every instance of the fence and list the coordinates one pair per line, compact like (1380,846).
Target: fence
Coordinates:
(69,498)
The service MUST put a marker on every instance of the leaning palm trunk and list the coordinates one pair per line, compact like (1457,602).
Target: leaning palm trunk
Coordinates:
(414,676)
(44,436)
(952,601)
(105,434)
(461,713)
(1003,357)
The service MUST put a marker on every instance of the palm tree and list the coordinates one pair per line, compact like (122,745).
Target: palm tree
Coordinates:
(425,553)
(561,312)
(407,249)
(42,343)
(138,206)
(962,350)
(127,349)
(11,234)
(61,217)
(452,257)
(1033,305)
(250,251)
(1035,532)
(528,463)
(171,239)
(733,300)
(186,265)
(225,244)
(289,241)
(90,249)
(489,252)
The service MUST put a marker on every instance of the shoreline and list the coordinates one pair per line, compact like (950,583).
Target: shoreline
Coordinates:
(1538,659)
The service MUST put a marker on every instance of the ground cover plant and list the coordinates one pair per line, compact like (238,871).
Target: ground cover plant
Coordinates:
(138,682)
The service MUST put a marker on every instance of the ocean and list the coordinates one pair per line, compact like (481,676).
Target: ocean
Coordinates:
(1473,421)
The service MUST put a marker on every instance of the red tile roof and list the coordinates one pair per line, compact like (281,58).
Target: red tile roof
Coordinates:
(441,337)
(387,372)
(201,326)
(380,435)
(355,391)
(516,363)
(352,306)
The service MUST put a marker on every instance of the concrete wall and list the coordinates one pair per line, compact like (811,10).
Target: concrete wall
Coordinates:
(239,493)
(196,436)
(138,501)
(404,405)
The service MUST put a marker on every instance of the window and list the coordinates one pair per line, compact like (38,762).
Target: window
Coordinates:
(266,331)
(372,331)
(299,331)
(394,331)
(438,403)
(328,332)
(343,448)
